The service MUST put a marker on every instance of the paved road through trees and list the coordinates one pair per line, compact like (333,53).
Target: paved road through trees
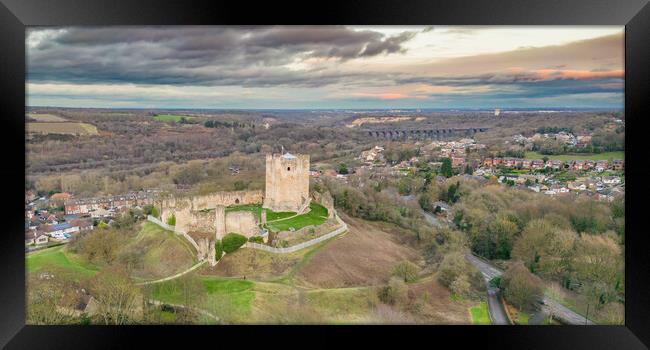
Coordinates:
(550,306)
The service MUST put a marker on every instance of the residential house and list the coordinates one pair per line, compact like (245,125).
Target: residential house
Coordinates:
(35,238)
(457,161)
(59,198)
(579,165)
(29,238)
(555,164)
(61,230)
(488,162)
(602,165)
(41,239)
(510,162)
(618,164)
(576,186)
(84,225)
(537,164)
(611,180)
(131,199)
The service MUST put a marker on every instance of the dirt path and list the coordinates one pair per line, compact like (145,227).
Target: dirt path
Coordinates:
(174,276)
(195,309)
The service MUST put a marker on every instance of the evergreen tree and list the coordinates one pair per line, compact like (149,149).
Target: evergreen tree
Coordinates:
(445,169)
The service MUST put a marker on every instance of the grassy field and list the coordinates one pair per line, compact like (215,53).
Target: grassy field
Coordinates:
(480,314)
(230,299)
(257,210)
(62,128)
(164,253)
(342,305)
(263,266)
(46,117)
(57,256)
(170,118)
(316,216)
(522,318)
(586,156)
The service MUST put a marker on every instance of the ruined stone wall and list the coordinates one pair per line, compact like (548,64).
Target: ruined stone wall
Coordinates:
(325,199)
(217,221)
(287,181)
(220,221)
(211,201)
(242,222)
(198,212)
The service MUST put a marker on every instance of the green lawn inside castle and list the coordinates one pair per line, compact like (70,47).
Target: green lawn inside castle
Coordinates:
(286,220)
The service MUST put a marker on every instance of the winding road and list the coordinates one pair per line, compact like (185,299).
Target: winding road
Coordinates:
(551,306)
(495,307)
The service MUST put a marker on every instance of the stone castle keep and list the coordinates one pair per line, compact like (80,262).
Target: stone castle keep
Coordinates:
(287,189)
(287,182)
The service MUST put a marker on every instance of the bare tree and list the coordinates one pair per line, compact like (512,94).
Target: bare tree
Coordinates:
(118,300)
(51,297)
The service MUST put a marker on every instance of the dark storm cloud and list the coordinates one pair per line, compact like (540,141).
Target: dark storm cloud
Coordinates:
(201,55)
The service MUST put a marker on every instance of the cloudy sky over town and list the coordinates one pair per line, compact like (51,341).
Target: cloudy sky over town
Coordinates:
(326,67)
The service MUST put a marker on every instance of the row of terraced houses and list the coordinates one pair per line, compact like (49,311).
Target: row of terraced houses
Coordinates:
(599,165)
(128,200)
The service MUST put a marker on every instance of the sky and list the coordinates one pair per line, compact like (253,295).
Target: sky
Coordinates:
(328,67)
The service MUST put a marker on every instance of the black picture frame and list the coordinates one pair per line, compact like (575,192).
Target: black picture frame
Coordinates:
(15,15)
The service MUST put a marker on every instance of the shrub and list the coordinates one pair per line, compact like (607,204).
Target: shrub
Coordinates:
(256,239)
(218,249)
(392,293)
(171,221)
(149,209)
(453,265)
(407,271)
(154,212)
(460,286)
(495,282)
(232,241)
